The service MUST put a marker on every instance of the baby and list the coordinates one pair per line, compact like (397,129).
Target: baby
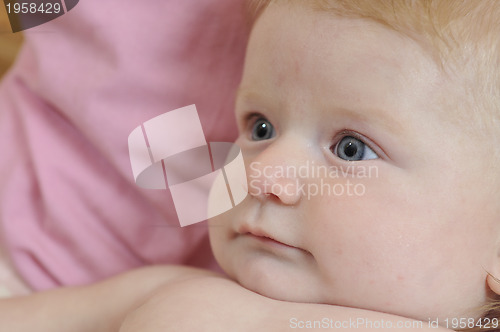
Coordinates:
(372,195)
(407,88)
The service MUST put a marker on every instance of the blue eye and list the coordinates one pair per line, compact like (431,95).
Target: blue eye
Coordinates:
(262,130)
(352,149)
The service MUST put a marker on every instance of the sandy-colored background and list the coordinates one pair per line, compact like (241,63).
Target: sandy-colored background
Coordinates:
(9,42)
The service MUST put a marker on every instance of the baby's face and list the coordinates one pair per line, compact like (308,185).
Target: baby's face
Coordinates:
(361,193)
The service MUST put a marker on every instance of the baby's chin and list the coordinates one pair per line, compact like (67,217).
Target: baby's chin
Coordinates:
(266,286)
(279,287)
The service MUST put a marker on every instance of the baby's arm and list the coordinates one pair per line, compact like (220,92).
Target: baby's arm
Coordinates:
(96,308)
(216,304)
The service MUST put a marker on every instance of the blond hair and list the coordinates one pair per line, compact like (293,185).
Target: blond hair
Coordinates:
(463,36)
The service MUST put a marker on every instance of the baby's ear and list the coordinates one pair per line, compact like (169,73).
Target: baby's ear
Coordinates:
(493,274)
(493,283)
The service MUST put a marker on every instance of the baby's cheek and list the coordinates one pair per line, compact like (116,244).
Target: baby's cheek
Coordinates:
(218,238)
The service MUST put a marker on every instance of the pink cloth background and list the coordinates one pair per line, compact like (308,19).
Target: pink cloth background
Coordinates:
(70,212)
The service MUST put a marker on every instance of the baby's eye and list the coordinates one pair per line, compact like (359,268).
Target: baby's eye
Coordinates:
(262,129)
(352,149)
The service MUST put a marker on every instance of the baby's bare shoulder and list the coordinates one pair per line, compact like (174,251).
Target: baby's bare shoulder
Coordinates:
(211,302)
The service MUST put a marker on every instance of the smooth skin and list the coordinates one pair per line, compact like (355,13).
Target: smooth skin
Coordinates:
(219,304)
(100,307)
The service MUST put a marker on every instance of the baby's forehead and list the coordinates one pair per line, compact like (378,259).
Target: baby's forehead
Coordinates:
(359,65)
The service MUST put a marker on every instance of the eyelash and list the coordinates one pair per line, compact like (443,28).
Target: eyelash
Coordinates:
(347,132)
(250,119)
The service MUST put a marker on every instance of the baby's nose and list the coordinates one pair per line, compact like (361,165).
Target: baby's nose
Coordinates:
(274,175)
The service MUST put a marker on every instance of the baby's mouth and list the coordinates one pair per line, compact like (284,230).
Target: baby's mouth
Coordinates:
(264,239)
(268,240)
(271,245)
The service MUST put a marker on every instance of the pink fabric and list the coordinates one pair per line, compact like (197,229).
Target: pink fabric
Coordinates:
(70,212)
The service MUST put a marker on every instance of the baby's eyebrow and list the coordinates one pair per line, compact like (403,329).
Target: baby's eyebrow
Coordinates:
(245,94)
(251,98)
(373,115)
(240,93)
(370,115)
